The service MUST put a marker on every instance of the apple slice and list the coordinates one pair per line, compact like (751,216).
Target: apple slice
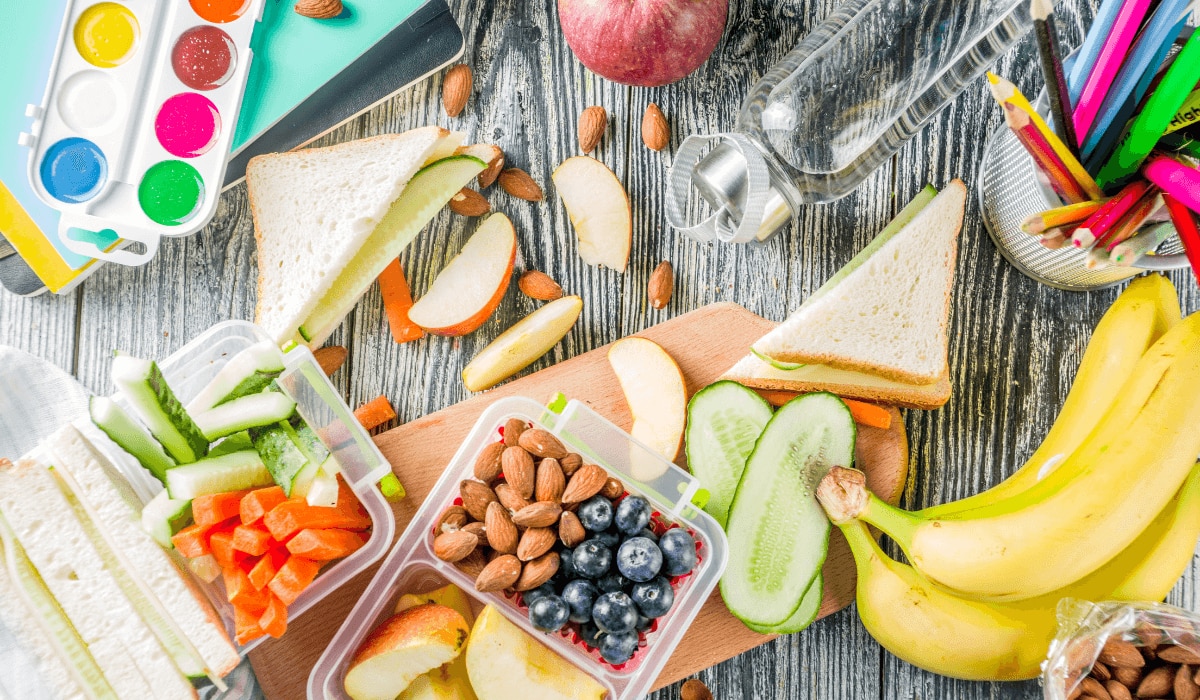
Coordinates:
(517,348)
(657,397)
(504,662)
(449,595)
(448,681)
(471,286)
(405,646)
(599,210)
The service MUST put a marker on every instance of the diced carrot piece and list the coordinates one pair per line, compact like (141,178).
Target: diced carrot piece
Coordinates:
(251,539)
(325,545)
(255,504)
(192,541)
(397,300)
(265,568)
(214,508)
(274,619)
(375,412)
(240,592)
(294,576)
(220,543)
(869,414)
(294,515)
(246,627)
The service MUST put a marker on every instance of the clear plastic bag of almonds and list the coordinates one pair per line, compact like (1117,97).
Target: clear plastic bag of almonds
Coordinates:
(1121,651)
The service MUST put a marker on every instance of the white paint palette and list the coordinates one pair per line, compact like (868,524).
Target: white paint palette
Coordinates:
(140,108)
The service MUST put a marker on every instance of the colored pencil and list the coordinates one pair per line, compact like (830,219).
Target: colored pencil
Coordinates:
(1109,214)
(1044,156)
(1133,220)
(1144,243)
(1054,239)
(1061,216)
(1057,91)
(1098,259)
(1181,181)
(1108,63)
(1152,123)
(1085,59)
(1189,233)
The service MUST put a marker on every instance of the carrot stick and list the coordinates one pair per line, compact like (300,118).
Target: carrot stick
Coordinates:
(375,412)
(293,577)
(869,414)
(192,541)
(240,592)
(274,619)
(214,508)
(255,504)
(777,398)
(324,545)
(397,300)
(251,539)
(245,624)
(294,515)
(265,569)
(220,543)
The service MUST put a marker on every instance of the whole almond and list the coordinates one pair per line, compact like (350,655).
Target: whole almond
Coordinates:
(501,532)
(537,572)
(472,564)
(453,546)
(540,514)
(319,9)
(475,497)
(550,482)
(612,489)
(586,483)
(1196,677)
(1178,655)
(509,498)
(655,132)
(500,573)
(570,464)
(468,202)
(477,528)
(540,443)
(518,470)
(1128,677)
(694,690)
(1149,652)
(1091,686)
(661,286)
(513,427)
(487,178)
(518,183)
(487,464)
(1157,684)
(451,520)
(1117,691)
(535,542)
(1148,634)
(1185,686)
(1101,672)
(456,89)
(539,285)
(570,530)
(331,358)
(1119,654)
(592,124)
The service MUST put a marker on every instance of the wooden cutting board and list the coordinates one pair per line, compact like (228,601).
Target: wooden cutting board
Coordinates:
(705,343)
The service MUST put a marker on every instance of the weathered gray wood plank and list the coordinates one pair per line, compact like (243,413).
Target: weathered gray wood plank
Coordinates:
(43,326)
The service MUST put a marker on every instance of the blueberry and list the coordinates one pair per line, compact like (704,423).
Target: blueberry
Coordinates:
(615,613)
(653,598)
(614,582)
(590,634)
(644,623)
(549,613)
(579,596)
(618,648)
(611,538)
(648,534)
(679,551)
(566,568)
(540,592)
(596,513)
(639,559)
(633,514)
(592,559)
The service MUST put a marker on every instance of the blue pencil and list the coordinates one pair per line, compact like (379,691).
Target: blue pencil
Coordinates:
(1085,60)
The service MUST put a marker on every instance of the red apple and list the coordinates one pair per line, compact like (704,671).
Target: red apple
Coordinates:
(643,42)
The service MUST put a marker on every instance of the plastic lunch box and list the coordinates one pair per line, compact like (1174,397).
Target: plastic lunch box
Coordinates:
(411,566)
(192,367)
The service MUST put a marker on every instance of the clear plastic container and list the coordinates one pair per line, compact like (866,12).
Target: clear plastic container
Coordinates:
(412,568)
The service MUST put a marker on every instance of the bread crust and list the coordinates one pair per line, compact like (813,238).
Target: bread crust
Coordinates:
(918,397)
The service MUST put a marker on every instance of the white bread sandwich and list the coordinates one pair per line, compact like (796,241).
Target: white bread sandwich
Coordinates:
(329,220)
(878,329)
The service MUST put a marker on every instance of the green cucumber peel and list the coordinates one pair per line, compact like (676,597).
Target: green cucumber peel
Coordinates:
(724,421)
(280,451)
(237,471)
(122,429)
(144,387)
(248,372)
(254,411)
(804,616)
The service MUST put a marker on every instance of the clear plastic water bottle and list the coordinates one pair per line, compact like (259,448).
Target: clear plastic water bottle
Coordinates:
(837,107)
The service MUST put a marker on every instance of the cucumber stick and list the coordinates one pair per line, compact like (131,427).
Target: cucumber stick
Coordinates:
(804,615)
(724,421)
(248,372)
(164,516)
(256,410)
(143,386)
(778,533)
(232,472)
(129,436)
(278,448)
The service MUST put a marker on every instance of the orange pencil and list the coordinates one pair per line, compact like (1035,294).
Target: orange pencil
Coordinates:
(1043,154)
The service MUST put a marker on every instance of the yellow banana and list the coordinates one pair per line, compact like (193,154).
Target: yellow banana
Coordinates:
(1166,556)
(1145,311)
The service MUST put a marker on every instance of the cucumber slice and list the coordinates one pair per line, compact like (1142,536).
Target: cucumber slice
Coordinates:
(129,436)
(423,197)
(143,386)
(310,442)
(724,421)
(231,472)
(778,533)
(804,615)
(164,516)
(234,443)
(256,410)
(777,364)
(324,490)
(248,372)
(281,453)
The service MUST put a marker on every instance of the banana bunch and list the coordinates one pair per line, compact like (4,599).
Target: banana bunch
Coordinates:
(1108,507)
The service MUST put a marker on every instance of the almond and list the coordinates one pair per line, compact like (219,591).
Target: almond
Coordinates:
(453,546)
(655,132)
(592,125)
(331,358)
(502,572)
(570,464)
(1091,686)
(456,89)
(509,498)
(1119,654)
(1116,691)
(451,520)
(539,285)
(468,202)
(1157,684)
(1128,677)
(487,464)
(513,427)
(535,542)
(1101,672)
(475,497)
(550,482)
(538,571)
(1179,655)
(518,183)
(694,690)
(319,9)
(540,514)
(487,178)
(542,444)
(476,528)
(586,483)
(501,533)
(472,564)
(518,470)
(612,489)
(1185,687)
(661,286)
(570,530)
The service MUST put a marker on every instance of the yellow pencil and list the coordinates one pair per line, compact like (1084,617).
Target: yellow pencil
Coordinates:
(1060,216)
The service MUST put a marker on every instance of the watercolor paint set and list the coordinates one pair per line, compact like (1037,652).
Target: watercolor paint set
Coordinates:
(140,109)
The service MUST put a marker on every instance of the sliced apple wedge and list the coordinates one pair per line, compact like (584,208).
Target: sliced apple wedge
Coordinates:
(599,209)
(471,286)
(449,595)
(405,646)
(657,397)
(517,348)
(448,681)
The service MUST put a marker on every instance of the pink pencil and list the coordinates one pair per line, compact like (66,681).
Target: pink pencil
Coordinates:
(1181,181)
(1108,64)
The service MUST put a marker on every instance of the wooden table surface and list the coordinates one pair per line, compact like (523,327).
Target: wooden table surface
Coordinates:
(1014,346)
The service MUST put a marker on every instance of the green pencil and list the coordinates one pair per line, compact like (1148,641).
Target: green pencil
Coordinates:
(1156,118)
